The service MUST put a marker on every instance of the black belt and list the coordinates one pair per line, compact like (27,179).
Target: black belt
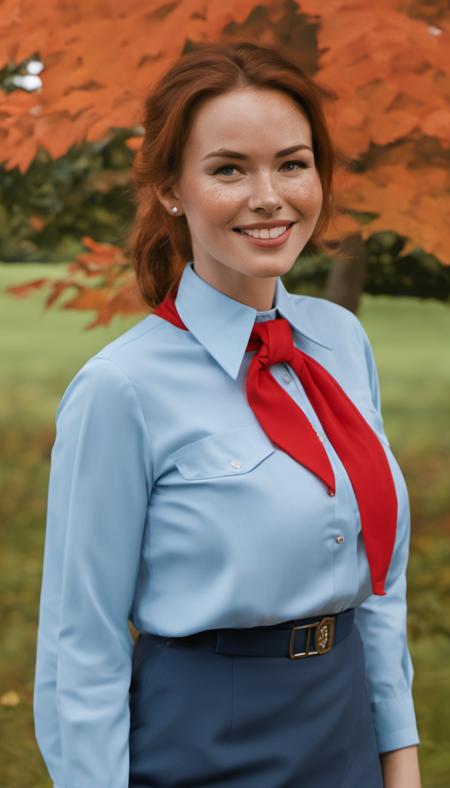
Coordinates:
(302,637)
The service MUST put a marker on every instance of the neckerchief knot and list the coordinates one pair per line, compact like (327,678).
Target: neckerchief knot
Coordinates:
(273,341)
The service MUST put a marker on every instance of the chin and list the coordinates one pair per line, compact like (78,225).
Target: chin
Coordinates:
(270,267)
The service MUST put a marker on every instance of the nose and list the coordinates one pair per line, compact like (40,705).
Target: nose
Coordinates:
(264,195)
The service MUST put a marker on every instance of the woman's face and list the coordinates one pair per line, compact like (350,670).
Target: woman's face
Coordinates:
(220,192)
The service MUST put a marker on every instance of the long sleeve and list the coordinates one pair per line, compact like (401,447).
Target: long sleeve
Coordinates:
(99,485)
(382,620)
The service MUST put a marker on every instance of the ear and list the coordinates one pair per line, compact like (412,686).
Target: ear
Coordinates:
(168,197)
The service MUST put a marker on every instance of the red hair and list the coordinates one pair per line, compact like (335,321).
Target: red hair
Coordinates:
(159,244)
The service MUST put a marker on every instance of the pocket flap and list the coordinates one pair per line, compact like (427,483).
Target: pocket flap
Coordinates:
(227,453)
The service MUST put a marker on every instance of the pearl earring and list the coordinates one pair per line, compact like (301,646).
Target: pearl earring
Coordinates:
(174,209)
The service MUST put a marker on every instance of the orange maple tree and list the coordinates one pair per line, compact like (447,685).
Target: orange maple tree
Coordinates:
(384,65)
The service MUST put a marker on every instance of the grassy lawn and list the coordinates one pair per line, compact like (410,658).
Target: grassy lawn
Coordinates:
(41,351)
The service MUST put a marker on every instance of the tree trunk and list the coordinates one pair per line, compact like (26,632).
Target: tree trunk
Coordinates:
(346,279)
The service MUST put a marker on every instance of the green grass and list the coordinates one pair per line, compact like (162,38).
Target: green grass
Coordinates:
(41,351)
(411,341)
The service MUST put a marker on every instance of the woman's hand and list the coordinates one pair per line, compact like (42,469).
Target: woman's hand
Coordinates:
(401,768)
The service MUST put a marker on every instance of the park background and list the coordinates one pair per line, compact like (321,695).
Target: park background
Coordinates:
(72,84)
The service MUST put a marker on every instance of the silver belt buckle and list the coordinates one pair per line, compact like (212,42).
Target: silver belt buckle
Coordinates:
(323,638)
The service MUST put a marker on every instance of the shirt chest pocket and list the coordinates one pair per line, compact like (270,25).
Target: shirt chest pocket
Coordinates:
(228,453)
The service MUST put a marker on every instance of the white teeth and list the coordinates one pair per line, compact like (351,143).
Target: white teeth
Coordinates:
(273,232)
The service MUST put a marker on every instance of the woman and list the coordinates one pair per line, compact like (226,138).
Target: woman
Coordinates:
(221,478)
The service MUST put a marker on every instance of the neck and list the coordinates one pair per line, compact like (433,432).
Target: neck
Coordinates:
(255,291)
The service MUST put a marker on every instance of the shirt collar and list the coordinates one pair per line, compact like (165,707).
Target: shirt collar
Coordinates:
(223,325)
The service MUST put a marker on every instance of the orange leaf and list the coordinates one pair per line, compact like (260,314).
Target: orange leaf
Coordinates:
(27,287)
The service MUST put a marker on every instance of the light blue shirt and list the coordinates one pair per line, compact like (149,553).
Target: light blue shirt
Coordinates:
(169,505)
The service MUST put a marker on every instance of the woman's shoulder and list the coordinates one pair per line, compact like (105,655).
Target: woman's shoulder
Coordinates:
(146,333)
(118,366)
(325,321)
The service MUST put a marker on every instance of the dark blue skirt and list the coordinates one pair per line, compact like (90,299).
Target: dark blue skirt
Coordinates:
(203,718)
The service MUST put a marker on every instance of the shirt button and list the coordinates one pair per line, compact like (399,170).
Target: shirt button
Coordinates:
(321,438)
(236,463)
(287,377)
(340,538)
(330,491)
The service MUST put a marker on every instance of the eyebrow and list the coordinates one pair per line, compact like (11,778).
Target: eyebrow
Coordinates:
(235,155)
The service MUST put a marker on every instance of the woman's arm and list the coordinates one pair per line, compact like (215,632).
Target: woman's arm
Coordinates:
(401,768)
(382,620)
(99,486)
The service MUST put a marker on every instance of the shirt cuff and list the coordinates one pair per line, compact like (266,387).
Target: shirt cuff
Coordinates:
(395,723)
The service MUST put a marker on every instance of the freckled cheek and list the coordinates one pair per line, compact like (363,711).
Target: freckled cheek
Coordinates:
(307,195)
(218,206)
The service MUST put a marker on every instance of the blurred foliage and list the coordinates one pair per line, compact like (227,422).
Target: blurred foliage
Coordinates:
(416,274)
(45,212)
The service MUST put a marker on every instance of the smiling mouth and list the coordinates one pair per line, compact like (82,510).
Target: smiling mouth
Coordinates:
(274,239)
(265,233)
